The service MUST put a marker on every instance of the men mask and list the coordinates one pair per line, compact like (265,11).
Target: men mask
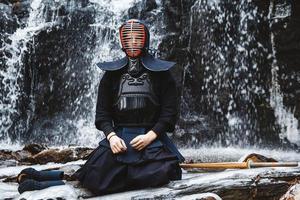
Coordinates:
(134,37)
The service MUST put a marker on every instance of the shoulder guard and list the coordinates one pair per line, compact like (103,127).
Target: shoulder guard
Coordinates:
(148,61)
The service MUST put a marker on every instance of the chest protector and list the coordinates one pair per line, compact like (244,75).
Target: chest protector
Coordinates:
(136,104)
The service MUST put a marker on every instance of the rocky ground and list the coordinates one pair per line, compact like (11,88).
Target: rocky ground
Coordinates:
(242,184)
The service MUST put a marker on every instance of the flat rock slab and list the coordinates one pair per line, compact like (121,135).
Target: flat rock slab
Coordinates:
(39,154)
(262,183)
(293,193)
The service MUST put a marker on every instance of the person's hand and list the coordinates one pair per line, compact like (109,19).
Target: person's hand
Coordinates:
(141,141)
(117,145)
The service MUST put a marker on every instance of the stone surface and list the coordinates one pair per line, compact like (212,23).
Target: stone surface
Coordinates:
(254,157)
(58,156)
(287,30)
(293,193)
(258,184)
(34,148)
(29,155)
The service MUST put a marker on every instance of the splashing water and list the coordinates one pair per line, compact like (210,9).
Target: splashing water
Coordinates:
(224,40)
(108,16)
(285,118)
(230,53)
(11,77)
(107,48)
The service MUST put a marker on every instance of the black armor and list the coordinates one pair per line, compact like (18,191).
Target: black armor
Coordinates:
(136,97)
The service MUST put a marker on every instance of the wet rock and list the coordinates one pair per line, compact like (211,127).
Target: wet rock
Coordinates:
(40,154)
(62,192)
(18,155)
(69,170)
(34,148)
(58,156)
(254,157)
(293,193)
(142,10)
(150,5)
(8,23)
(259,184)
(21,8)
(286,29)
(83,152)
(21,155)
(201,196)
(7,163)
(6,155)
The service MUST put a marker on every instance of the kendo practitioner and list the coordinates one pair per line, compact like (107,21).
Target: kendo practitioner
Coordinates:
(136,106)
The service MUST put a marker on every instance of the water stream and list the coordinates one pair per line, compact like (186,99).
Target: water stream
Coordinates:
(224,38)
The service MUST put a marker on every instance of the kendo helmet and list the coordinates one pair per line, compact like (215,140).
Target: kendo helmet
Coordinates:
(134,37)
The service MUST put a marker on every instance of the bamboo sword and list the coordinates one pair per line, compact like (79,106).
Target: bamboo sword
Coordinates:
(238,165)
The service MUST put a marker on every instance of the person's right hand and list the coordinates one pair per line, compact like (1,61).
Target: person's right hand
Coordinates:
(117,145)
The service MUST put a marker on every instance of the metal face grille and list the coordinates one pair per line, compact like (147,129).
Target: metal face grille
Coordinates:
(133,38)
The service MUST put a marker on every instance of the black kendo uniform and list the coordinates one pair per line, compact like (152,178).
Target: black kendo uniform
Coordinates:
(134,96)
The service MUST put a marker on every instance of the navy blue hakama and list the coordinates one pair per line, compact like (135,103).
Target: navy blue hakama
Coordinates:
(105,172)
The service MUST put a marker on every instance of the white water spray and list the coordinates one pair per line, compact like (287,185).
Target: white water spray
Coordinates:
(11,77)
(285,118)
(107,48)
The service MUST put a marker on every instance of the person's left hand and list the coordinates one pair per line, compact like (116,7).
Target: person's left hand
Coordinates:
(141,141)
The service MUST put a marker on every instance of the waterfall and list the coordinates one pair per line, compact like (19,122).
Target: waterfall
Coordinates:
(70,120)
(289,127)
(11,76)
(227,68)
(107,48)
(226,46)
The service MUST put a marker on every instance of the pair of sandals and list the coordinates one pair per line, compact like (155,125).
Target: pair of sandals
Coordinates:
(30,179)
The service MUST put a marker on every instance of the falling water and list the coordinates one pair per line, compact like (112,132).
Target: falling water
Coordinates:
(228,86)
(75,125)
(231,55)
(289,126)
(11,77)
(107,48)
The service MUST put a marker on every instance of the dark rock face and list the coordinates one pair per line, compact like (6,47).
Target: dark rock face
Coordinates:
(225,55)
(58,75)
(39,154)
(287,43)
(55,76)
(34,148)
